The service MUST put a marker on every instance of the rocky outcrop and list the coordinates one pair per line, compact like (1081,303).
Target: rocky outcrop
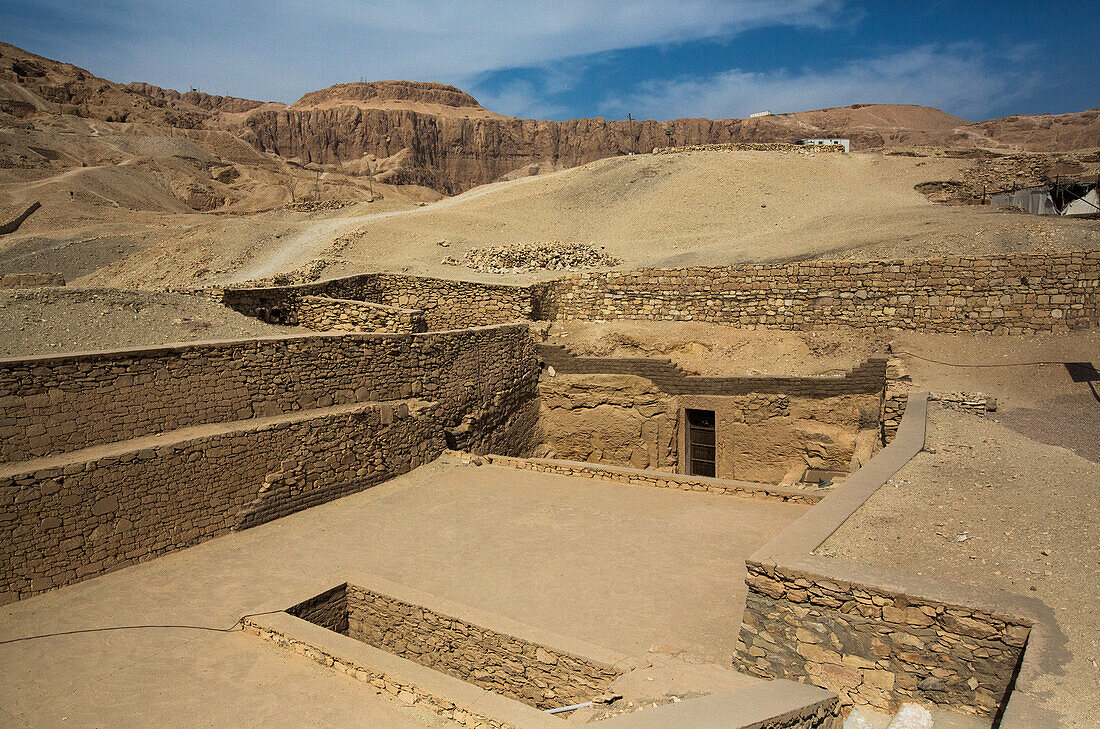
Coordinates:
(453,144)
(421,92)
(197,99)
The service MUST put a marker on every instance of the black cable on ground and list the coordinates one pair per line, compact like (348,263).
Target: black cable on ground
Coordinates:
(233,628)
(997,364)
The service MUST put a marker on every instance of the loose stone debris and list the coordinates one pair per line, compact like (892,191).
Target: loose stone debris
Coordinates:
(527,257)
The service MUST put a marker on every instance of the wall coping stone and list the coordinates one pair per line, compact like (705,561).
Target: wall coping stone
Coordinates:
(593,470)
(776,703)
(199,345)
(194,433)
(438,685)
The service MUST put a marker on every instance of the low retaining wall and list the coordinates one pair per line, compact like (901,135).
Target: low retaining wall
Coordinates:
(535,674)
(1015,293)
(639,477)
(61,403)
(323,314)
(398,679)
(30,280)
(445,304)
(75,516)
(874,636)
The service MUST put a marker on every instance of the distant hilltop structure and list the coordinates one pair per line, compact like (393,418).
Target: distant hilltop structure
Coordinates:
(825,142)
(766,112)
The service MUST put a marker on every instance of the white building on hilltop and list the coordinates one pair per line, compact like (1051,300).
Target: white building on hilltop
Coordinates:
(824,142)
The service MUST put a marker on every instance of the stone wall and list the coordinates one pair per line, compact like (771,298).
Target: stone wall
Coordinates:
(74,516)
(62,403)
(30,280)
(329,610)
(775,438)
(322,314)
(868,377)
(639,477)
(874,645)
(1014,293)
(535,674)
(881,637)
(445,304)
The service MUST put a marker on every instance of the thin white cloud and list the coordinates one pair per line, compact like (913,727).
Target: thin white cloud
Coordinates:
(279,49)
(961,79)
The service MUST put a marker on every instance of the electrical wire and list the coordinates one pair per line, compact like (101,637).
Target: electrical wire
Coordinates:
(996,364)
(233,628)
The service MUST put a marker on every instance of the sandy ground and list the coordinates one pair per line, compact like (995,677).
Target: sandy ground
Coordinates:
(988,506)
(55,320)
(670,210)
(718,208)
(621,566)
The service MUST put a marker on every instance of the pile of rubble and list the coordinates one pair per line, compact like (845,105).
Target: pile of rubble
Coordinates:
(752,147)
(314,206)
(527,257)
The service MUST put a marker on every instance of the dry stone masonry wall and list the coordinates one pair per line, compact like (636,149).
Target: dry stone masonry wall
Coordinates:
(1014,293)
(874,646)
(30,280)
(322,314)
(639,477)
(539,675)
(72,517)
(63,403)
(443,304)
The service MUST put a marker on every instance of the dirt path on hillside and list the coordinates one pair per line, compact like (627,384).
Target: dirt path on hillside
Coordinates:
(310,243)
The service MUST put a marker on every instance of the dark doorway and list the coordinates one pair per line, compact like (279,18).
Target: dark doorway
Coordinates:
(700,442)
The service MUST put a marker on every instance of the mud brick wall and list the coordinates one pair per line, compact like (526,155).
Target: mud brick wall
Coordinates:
(869,376)
(62,403)
(321,314)
(876,647)
(1015,293)
(70,519)
(534,674)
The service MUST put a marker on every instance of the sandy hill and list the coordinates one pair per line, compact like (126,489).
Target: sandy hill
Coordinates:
(700,208)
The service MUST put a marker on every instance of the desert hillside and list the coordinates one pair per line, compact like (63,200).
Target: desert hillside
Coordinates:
(142,187)
(438,136)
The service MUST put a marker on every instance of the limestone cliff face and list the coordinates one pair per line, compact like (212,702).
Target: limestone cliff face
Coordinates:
(452,153)
(451,143)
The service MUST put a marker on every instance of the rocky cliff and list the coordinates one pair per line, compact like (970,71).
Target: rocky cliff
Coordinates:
(452,152)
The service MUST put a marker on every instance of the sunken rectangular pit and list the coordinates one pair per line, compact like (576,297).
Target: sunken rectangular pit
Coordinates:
(521,669)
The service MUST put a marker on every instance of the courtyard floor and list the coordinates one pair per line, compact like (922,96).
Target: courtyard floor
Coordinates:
(625,567)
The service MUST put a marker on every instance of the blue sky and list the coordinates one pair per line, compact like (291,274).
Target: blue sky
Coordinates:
(586,58)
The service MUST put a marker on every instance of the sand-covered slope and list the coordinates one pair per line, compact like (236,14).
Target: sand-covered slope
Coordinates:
(708,208)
